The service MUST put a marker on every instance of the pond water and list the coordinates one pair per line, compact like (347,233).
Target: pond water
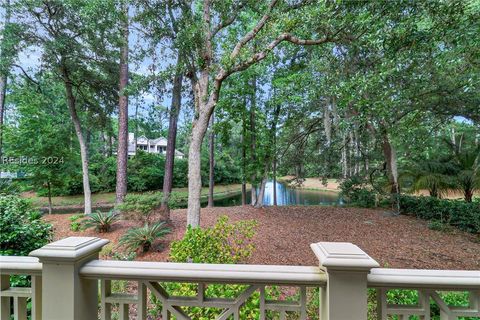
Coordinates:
(286,196)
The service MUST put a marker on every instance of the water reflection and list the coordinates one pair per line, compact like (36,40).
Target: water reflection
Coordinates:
(286,196)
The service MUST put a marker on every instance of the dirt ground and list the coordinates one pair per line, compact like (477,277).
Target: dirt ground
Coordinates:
(313,183)
(284,235)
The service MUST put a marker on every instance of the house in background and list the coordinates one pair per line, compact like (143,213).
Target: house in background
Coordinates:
(157,146)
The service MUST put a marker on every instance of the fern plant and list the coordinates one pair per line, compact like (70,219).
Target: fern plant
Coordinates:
(102,221)
(143,237)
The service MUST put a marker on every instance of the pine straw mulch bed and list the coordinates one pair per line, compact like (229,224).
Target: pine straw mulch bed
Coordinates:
(284,235)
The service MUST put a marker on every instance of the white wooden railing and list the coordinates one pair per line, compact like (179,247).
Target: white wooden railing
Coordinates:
(66,276)
(430,285)
(151,275)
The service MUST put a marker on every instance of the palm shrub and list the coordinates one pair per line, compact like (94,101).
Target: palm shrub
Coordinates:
(466,160)
(101,221)
(430,175)
(143,237)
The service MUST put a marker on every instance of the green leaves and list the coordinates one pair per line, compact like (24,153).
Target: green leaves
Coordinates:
(22,229)
(143,237)
(101,221)
(222,243)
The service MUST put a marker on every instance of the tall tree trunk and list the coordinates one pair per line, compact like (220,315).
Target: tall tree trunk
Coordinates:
(4,77)
(344,159)
(357,151)
(172,136)
(135,133)
(81,141)
(244,193)
(110,142)
(351,154)
(199,128)
(244,163)
(253,142)
(391,161)
(49,186)
(468,194)
(244,154)
(275,175)
(274,151)
(3,94)
(366,164)
(122,148)
(211,175)
(261,192)
(327,123)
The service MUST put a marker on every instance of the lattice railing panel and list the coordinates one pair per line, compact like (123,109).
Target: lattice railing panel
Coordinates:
(13,300)
(422,309)
(174,306)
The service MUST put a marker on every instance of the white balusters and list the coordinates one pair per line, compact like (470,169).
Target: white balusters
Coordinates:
(123,301)
(66,285)
(422,308)
(173,305)
(13,300)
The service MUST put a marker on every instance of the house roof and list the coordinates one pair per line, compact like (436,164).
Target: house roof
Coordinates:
(159,141)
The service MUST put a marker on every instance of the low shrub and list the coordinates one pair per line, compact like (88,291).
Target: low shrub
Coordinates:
(101,221)
(438,226)
(355,190)
(143,237)
(22,229)
(75,224)
(457,213)
(223,243)
(140,206)
(177,200)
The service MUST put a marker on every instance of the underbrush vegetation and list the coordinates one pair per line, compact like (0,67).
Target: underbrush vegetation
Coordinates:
(76,223)
(357,192)
(140,206)
(442,214)
(456,213)
(224,243)
(145,173)
(22,229)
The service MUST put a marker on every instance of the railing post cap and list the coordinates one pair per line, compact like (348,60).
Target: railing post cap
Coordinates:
(343,256)
(70,249)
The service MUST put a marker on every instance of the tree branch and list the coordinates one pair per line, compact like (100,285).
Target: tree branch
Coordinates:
(250,35)
(222,25)
(27,76)
(263,54)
